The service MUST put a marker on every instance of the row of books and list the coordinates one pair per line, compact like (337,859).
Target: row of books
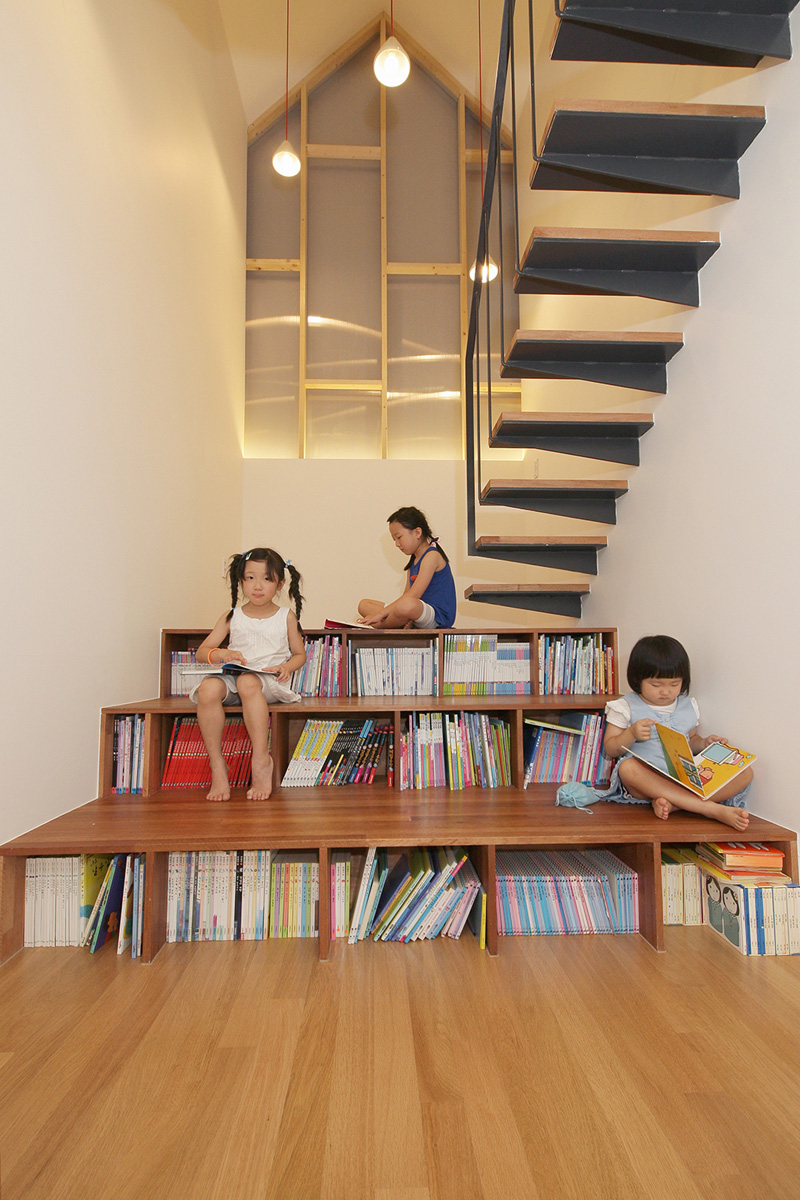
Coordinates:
(85,900)
(242,895)
(393,670)
(185,671)
(565,891)
(570,750)
(581,665)
(187,762)
(332,753)
(748,864)
(482,665)
(455,750)
(128,748)
(748,900)
(321,674)
(428,892)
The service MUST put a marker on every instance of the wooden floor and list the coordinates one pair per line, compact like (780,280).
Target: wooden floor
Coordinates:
(584,1067)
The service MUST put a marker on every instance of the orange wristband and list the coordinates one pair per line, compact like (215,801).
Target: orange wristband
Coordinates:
(211,651)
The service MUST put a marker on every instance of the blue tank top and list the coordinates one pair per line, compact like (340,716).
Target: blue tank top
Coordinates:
(440,592)
(683,719)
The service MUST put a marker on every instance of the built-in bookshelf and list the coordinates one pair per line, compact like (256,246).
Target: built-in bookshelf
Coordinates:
(396,811)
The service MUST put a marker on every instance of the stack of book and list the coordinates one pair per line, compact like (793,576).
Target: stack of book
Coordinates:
(565,891)
(429,892)
(218,895)
(455,750)
(187,762)
(335,753)
(393,670)
(128,770)
(340,893)
(85,900)
(747,899)
(294,900)
(681,887)
(570,750)
(321,674)
(482,665)
(582,665)
(185,671)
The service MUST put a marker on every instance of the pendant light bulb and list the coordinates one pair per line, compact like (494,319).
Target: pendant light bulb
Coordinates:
(392,64)
(285,161)
(489,270)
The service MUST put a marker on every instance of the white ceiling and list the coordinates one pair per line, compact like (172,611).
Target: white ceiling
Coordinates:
(256,31)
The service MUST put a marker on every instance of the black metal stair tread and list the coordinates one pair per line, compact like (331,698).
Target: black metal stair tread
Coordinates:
(678,32)
(571,424)
(592,259)
(561,345)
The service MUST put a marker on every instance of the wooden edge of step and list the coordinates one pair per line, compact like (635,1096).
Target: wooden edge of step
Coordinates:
(540,485)
(540,541)
(534,589)
(572,418)
(655,108)
(624,336)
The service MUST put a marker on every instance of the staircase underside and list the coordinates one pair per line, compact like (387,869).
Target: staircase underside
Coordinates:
(564,599)
(613,437)
(694,32)
(564,553)
(683,148)
(583,499)
(662,265)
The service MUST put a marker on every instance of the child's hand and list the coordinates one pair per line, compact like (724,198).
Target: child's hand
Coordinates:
(710,740)
(234,656)
(642,729)
(280,673)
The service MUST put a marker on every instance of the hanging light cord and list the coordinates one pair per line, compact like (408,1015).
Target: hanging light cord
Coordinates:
(391,19)
(287,70)
(480,91)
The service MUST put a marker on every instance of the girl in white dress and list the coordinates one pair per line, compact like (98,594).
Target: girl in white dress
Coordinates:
(261,635)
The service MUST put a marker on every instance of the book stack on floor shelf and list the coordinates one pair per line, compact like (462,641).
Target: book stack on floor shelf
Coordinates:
(455,750)
(85,900)
(428,892)
(485,665)
(336,753)
(569,750)
(565,891)
(747,898)
(187,764)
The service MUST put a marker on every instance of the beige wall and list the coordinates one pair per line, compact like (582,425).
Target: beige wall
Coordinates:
(123,150)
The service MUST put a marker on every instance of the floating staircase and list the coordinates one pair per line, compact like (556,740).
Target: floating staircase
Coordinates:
(665,148)
(659,264)
(695,32)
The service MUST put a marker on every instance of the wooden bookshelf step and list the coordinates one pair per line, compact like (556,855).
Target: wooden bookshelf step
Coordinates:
(628,146)
(563,553)
(629,358)
(585,499)
(613,437)
(659,264)
(679,32)
(564,599)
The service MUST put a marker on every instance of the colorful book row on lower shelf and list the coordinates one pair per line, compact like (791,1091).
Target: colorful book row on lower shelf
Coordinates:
(557,892)
(455,750)
(85,900)
(570,750)
(187,762)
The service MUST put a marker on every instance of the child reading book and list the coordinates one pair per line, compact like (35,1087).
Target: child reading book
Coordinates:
(659,678)
(429,597)
(263,637)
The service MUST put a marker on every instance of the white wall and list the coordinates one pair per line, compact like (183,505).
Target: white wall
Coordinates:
(121,219)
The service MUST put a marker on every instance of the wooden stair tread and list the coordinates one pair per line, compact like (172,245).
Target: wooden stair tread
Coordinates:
(535,589)
(618,486)
(572,345)
(589,423)
(620,249)
(487,541)
(659,108)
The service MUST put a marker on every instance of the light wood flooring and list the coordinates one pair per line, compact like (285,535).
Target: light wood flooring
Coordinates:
(586,1067)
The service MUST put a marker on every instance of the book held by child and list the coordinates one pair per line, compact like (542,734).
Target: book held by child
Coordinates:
(704,773)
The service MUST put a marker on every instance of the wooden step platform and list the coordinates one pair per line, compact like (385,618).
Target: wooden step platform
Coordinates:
(584,499)
(613,437)
(629,359)
(660,264)
(482,819)
(681,32)
(546,550)
(628,146)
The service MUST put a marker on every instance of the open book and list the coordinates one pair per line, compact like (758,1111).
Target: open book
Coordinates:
(234,668)
(331,624)
(704,773)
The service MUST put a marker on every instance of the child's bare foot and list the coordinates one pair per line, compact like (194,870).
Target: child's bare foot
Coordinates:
(220,788)
(261,782)
(662,807)
(737,818)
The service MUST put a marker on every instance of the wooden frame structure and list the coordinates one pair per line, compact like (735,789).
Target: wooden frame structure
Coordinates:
(300,93)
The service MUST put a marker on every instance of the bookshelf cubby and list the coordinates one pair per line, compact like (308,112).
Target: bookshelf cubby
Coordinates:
(324,819)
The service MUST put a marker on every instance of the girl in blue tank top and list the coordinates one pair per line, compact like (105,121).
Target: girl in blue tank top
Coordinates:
(429,597)
(659,678)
